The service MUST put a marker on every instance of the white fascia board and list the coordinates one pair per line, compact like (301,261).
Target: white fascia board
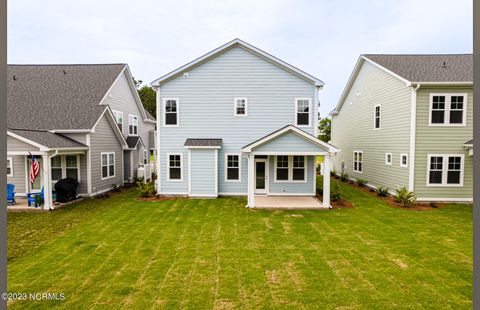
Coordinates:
(28,141)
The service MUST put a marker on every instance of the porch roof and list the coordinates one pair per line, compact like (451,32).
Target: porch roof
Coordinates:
(45,139)
(290,139)
(132,141)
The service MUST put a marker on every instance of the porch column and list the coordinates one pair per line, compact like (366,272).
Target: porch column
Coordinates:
(47,183)
(326,181)
(251,181)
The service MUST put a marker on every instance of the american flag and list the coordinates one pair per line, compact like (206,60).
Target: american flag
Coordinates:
(34,169)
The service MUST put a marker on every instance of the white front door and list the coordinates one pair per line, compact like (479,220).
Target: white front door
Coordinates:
(261,176)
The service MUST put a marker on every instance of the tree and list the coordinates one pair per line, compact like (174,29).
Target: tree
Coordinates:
(325,129)
(148,96)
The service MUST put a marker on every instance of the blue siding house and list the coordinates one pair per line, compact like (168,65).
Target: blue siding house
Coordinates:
(238,121)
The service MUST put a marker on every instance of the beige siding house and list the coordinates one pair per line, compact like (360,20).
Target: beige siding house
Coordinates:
(407,121)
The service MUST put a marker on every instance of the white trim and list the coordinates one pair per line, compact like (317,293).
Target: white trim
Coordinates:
(266,176)
(446,199)
(386,159)
(96,193)
(132,119)
(89,164)
(290,170)
(111,86)
(70,131)
(164,106)
(235,103)
(413,132)
(181,167)
(33,143)
(386,70)
(232,194)
(174,193)
(202,147)
(131,166)
(379,106)
(113,124)
(108,165)
(445,170)
(226,167)
(20,153)
(309,112)
(291,153)
(316,106)
(401,160)
(189,171)
(246,46)
(10,159)
(158,183)
(216,173)
(298,131)
(114,112)
(448,98)
(353,162)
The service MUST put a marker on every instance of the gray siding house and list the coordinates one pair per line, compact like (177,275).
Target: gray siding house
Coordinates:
(407,121)
(80,121)
(238,121)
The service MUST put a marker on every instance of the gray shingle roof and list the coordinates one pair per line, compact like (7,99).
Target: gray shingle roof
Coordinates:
(203,142)
(48,139)
(428,68)
(149,116)
(48,97)
(132,141)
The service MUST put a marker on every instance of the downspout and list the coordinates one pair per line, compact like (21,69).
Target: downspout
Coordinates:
(413,131)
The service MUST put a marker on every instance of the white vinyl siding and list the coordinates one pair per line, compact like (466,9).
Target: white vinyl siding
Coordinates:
(240,106)
(108,165)
(233,167)
(175,167)
(447,109)
(290,169)
(358,161)
(445,170)
(303,109)
(9,167)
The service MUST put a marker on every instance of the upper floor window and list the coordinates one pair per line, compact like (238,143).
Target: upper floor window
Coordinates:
(302,111)
(377,117)
(170,109)
(145,157)
(108,165)
(388,158)
(445,170)
(9,167)
(132,124)
(448,109)
(358,161)
(240,106)
(118,118)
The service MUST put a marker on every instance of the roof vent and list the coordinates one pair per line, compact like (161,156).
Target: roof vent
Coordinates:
(444,64)
(14,78)
(186,75)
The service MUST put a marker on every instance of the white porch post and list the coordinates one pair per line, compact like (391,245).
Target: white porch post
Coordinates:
(326,181)
(47,184)
(251,181)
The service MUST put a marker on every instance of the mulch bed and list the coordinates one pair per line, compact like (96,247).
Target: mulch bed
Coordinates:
(339,204)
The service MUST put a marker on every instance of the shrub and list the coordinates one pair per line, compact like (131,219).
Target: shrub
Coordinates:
(433,204)
(320,191)
(115,188)
(404,197)
(382,191)
(344,177)
(336,192)
(333,173)
(146,189)
(361,182)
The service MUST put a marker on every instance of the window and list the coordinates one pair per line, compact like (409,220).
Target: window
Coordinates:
(403,160)
(56,163)
(240,106)
(358,161)
(175,167)
(145,158)
(388,159)
(445,170)
(132,125)
(302,112)
(281,170)
(72,169)
(108,165)
(377,117)
(290,169)
(447,109)
(170,112)
(232,167)
(9,167)
(299,171)
(118,118)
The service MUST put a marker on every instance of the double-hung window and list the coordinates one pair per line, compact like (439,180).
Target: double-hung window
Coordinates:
(232,167)
(448,109)
(108,165)
(65,166)
(290,168)
(358,161)
(71,166)
(377,117)
(170,112)
(118,119)
(56,163)
(240,106)
(145,158)
(445,170)
(403,160)
(132,125)
(302,111)
(9,167)
(175,167)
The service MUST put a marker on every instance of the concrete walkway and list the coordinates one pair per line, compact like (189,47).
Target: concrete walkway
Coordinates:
(288,203)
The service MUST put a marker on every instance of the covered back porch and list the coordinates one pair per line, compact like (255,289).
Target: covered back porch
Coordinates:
(282,170)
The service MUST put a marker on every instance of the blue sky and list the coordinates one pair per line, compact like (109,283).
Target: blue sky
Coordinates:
(323,38)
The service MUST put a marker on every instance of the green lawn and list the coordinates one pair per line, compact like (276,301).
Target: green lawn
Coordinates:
(122,253)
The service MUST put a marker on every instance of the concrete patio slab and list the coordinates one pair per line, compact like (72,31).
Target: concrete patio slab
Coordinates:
(288,203)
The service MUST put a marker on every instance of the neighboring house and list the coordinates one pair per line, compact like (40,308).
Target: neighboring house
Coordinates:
(407,121)
(238,121)
(80,121)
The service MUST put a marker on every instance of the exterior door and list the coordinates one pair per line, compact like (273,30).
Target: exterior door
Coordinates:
(37,185)
(261,176)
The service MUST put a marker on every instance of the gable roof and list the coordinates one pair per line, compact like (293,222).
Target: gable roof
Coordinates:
(132,141)
(45,139)
(212,143)
(58,97)
(248,148)
(439,69)
(237,42)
